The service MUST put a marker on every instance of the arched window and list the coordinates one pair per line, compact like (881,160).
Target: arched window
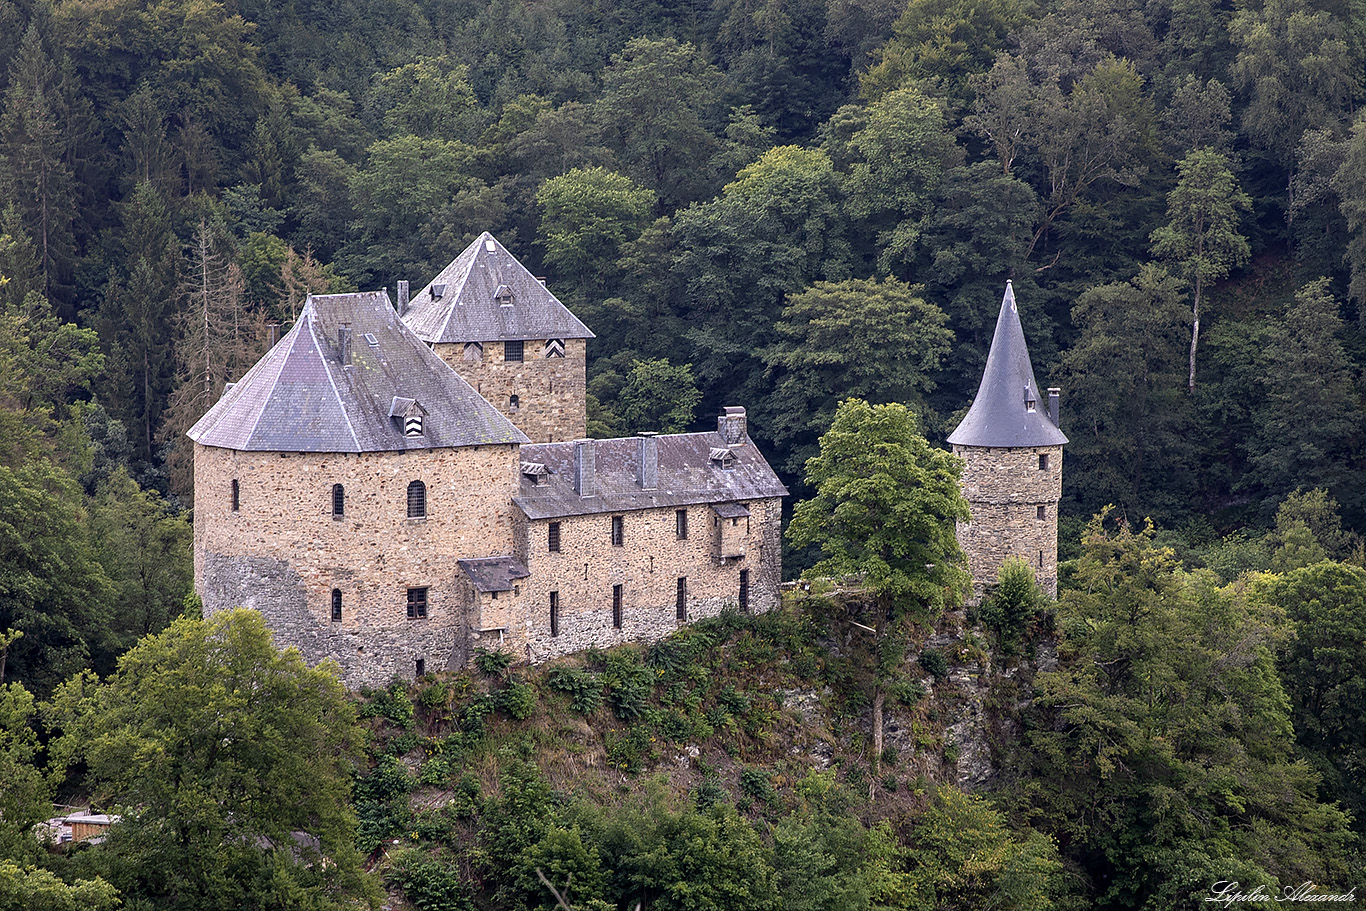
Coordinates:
(336,605)
(417,500)
(338,501)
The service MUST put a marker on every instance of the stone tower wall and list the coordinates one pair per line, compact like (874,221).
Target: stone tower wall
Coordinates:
(647,566)
(1005,490)
(551,391)
(283,552)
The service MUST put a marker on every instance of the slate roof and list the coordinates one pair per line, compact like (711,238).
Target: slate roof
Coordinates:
(471,307)
(687,476)
(494,574)
(301,398)
(998,416)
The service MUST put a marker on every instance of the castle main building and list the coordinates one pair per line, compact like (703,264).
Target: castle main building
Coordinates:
(393,488)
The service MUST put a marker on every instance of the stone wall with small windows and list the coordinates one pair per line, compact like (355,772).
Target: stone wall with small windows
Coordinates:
(283,550)
(551,401)
(647,566)
(1013,496)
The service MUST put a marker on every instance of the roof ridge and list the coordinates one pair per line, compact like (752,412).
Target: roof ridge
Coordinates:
(336,393)
(283,359)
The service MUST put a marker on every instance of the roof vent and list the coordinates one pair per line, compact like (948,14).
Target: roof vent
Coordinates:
(490,246)
(438,291)
(371,340)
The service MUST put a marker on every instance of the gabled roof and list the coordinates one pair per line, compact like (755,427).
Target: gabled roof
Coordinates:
(999,416)
(300,397)
(487,295)
(687,476)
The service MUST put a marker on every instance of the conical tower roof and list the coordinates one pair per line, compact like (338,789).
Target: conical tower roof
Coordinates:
(1001,415)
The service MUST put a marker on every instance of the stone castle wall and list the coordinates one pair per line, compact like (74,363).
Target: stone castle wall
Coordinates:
(647,566)
(1005,490)
(551,391)
(283,552)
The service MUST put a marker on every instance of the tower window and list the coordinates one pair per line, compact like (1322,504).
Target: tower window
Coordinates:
(338,501)
(514,403)
(681,604)
(420,667)
(1042,513)
(744,591)
(1040,559)
(616,606)
(236,496)
(417,603)
(681,524)
(554,613)
(554,537)
(336,605)
(1043,461)
(512,352)
(618,530)
(417,500)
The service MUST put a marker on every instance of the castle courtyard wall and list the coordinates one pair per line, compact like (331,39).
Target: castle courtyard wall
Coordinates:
(1005,490)
(551,391)
(282,552)
(647,565)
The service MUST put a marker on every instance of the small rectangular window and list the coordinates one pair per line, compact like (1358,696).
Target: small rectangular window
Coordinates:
(618,530)
(681,524)
(338,501)
(681,605)
(744,591)
(554,613)
(512,352)
(616,606)
(417,603)
(336,605)
(553,537)
(420,667)
(1043,462)
(236,495)
(1042,513)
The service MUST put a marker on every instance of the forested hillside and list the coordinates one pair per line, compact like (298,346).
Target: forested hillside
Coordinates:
(776,204)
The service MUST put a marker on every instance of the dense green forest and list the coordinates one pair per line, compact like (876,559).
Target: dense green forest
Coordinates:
(777,204)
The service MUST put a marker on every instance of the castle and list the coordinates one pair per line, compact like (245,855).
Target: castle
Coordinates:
(397,484)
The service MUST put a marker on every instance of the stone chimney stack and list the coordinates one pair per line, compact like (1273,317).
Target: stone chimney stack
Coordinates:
(731,426)
(272,335)
(402,297)
(649,461)
(1053,393)
(584,479)
(344,345)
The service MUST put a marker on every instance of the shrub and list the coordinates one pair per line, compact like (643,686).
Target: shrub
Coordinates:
(517,699)
(934,663)
(756,784)
(1014,603)
(583,688)
(490,663)
(429,884)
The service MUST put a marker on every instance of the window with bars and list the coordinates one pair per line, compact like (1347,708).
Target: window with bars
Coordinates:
(554,613)
(417,500)
(618,530)
(616,606)
(681,603)
(1043,462)
(512,351)
(553,537)
(744,591)
(336,605)
(681,524)
(338,501)
(417,603)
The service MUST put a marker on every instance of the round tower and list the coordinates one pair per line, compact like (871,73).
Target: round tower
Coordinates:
(1012,476)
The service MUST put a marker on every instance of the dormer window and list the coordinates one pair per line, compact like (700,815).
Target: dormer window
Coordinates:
(410,413)
(533,471)
(554,347)
(1031,401)
(438,291)
(722,458)
(412,426)
(503,296)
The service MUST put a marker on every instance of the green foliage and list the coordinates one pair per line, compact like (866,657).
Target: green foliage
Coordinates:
(492,663)
(588,214)
(34,889)
(658,397)
(26,798)
(518,699)
(583,688)
(933,662)
(429,884)
(885,508)
(254,746)
(1013,604)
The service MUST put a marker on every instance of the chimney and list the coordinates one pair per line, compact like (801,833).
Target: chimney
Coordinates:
(649,461)
(272,335)
(583,468)
(344,345)
(402,297)
(1053,393)
(731,426)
